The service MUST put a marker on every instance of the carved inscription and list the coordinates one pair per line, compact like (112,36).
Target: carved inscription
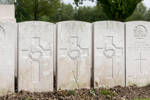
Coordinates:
(137,53)
(140,59)
(140,32)
(110,50)
(75,52)
(35,54)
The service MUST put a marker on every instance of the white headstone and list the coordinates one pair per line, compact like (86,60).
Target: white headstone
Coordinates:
(7,13)
(74,55)
(36,56)
(138,53)
(109,54)
(8,37)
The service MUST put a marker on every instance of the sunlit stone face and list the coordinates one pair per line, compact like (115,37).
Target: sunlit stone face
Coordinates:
(7,12)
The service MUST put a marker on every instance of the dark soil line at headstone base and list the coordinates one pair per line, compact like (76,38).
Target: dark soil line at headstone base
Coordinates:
(116,93)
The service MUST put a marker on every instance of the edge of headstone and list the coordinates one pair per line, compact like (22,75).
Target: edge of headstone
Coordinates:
(27,22)
(136,22)
(73,21)
(107,21)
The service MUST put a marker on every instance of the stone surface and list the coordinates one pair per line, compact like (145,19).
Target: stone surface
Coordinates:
(74,55)
(8,37)
(138,53)
(7,13)
(109,54)
(36,56)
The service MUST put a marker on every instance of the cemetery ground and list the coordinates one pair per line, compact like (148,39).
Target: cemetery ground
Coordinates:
(116,93)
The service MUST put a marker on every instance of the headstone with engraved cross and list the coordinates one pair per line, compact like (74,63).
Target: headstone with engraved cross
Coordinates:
(137,53)
(74,55)
(109,54)
(36,56)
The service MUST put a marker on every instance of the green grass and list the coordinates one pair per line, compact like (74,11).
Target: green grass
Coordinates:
(28,98)
(93,92)
(71,92)
(141,99)
(107,92)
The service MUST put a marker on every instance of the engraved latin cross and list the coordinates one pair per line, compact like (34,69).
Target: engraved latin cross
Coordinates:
(35,54)
(110,50)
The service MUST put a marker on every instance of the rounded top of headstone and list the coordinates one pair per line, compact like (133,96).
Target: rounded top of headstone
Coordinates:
(110,21)
(36,22)
(71,21)
(137,22)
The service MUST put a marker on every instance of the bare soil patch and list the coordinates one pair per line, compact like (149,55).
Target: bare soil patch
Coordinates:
(116,93)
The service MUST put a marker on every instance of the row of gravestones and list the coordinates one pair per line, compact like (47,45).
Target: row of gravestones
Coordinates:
(110,53)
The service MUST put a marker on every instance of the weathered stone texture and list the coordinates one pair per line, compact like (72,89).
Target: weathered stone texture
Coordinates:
(109,69)
(8,34)
(36,41)
(74,54)
(138,53)
(7,13)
